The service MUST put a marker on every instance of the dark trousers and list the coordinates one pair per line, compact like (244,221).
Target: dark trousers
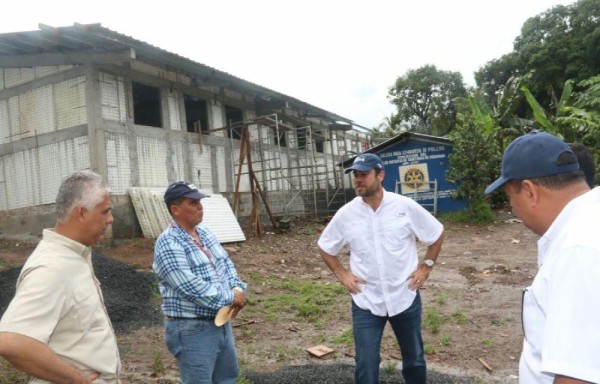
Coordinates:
(368,330)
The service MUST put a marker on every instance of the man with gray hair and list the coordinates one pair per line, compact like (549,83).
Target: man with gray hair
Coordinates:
(56,328)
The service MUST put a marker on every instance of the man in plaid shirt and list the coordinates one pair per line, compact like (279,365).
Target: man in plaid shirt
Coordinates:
(196,278)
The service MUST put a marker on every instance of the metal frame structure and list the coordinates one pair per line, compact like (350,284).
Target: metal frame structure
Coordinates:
(298,177)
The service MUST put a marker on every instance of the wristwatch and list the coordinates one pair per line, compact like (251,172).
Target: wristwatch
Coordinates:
(428,262)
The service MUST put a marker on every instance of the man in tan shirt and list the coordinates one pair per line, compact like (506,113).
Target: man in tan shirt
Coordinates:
(56,328)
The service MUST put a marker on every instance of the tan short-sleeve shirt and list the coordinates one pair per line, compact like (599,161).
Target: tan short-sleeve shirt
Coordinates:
(58,301)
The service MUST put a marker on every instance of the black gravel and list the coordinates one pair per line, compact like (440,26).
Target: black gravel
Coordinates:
(130,295)
(338,374)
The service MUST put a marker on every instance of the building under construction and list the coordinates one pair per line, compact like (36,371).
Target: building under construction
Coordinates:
(86,97)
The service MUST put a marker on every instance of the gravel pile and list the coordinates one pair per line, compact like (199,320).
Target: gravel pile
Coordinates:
(128,293)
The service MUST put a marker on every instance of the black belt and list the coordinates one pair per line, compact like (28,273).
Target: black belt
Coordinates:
(205,318)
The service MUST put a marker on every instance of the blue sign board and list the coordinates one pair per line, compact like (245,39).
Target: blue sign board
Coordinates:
(413,168)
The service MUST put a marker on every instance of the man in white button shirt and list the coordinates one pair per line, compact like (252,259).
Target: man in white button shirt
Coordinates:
(561,308)
(381,229)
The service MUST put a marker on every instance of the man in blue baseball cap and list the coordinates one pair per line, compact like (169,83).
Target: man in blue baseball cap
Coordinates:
(385,274)
(548,192)
(365,162)
(196,278)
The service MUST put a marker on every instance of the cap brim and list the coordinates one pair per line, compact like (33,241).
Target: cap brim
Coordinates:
(358,167)
(224,315)
(495,185)
(197,195)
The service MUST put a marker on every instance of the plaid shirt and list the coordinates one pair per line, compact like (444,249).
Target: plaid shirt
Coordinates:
(190,284)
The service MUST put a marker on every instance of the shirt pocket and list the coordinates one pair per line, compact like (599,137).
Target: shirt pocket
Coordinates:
(358,241)
(396,234)
(88,307)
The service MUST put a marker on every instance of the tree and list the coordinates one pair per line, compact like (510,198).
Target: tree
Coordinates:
(389,127)
(559,44)
(474,159)
(576,117)
(424,99)
(492,77)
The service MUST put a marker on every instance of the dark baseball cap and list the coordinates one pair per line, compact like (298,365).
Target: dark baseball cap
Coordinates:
(365,162)
(531,156)
(182,189)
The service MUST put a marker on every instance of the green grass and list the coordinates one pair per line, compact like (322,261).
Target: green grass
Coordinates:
(389,367)
(459,318)
(158,366)
(432,320)
(445,341)
(3,265)
(480,213)
(345,338)
(307,300)
(154,288)
(478,380)
(440,299)
(242,380)
(488,342)
(257,278)
(428,349)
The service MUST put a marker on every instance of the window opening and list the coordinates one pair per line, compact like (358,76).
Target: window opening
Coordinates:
(279,137)
(301,136)
(146,105)
(319,145)
(196,114)
(233,115)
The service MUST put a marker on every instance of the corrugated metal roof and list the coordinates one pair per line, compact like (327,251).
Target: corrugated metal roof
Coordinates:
(95,38)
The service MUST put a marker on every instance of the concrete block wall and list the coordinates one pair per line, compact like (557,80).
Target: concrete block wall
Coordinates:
(55,121)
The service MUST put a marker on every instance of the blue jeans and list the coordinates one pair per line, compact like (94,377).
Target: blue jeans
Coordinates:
(205,353)
(368,330)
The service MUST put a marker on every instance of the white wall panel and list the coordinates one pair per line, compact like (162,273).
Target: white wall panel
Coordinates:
(16,76)
(69,102)
(32,177)
(202,167)
(10,77)
(178,160)
(14,121)
(117,162)
(217,119)
(220,168)
(244,181)
(22,179)
(112,94)
(173,103)
(284,172)
(37,114)
(4,122)
(44,71)
(152,159)
(3,197)
(59,160)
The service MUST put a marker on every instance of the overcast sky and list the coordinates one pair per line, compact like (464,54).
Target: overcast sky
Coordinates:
(339,55)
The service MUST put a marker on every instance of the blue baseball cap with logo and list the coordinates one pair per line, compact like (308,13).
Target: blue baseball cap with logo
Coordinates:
(534,155)
(365,162)
(182,189)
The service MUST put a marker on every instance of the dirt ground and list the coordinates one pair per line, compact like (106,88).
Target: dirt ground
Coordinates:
(472,303)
